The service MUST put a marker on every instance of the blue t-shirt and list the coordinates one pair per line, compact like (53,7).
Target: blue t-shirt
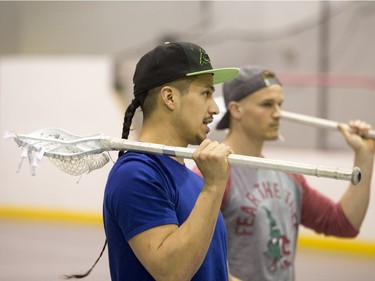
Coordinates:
(145,191)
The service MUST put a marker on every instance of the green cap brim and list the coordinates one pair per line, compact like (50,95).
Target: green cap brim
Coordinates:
(220,74)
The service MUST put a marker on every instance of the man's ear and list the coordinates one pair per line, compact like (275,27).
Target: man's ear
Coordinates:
(168,97)
(235,109)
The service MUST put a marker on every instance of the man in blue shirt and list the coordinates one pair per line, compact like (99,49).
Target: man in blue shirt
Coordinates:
(162,221)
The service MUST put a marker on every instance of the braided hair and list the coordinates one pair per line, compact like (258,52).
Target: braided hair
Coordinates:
(129,114)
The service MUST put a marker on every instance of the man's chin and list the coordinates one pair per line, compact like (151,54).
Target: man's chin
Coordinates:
(273,137)
(198,140)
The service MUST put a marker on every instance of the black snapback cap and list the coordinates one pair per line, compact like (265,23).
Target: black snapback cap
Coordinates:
(171,61)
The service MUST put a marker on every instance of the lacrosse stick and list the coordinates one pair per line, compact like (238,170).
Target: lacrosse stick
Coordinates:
(77,155)
(317,122)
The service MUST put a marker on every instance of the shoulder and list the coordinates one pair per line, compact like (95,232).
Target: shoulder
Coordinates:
(298,178)
(135,164)
(136,175)
(133,169)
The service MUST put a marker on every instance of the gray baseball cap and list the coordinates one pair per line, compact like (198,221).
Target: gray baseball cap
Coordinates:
(251,78)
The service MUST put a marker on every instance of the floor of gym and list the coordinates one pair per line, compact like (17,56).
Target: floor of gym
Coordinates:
(40,251)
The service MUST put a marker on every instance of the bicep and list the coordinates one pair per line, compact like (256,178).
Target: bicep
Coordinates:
(323,215)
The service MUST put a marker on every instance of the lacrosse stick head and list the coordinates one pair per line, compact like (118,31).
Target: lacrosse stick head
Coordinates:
(72,154)
(79,165)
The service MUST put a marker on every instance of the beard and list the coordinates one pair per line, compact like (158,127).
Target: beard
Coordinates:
(197,140)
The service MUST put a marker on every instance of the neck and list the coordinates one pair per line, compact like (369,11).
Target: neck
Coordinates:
(161,135)
(241,144)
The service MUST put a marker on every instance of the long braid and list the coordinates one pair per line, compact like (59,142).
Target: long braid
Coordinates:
(128,117)
(83,275)
(129,114)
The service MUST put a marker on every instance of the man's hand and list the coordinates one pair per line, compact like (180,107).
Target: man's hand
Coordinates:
(211,159)
(354,138)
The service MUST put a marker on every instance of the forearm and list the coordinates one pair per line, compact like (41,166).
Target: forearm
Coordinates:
(188,245)
(354,202)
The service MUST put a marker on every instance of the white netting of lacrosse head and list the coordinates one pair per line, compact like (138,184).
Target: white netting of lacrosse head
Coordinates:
(72,154)
(79,165)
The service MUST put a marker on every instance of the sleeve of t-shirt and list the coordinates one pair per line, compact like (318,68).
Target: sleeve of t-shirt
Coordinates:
(140,200)
(321,214)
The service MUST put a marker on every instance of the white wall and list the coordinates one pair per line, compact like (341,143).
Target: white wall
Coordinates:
(72,93)
(282,35)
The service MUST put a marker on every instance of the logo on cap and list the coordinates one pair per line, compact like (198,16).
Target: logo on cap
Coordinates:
(203,57)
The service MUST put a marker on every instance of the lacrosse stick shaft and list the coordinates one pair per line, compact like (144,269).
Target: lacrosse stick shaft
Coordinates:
(354,176)
(317,122)
(76,155)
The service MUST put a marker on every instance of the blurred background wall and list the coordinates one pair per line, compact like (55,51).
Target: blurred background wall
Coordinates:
(70,64)
(322,50)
